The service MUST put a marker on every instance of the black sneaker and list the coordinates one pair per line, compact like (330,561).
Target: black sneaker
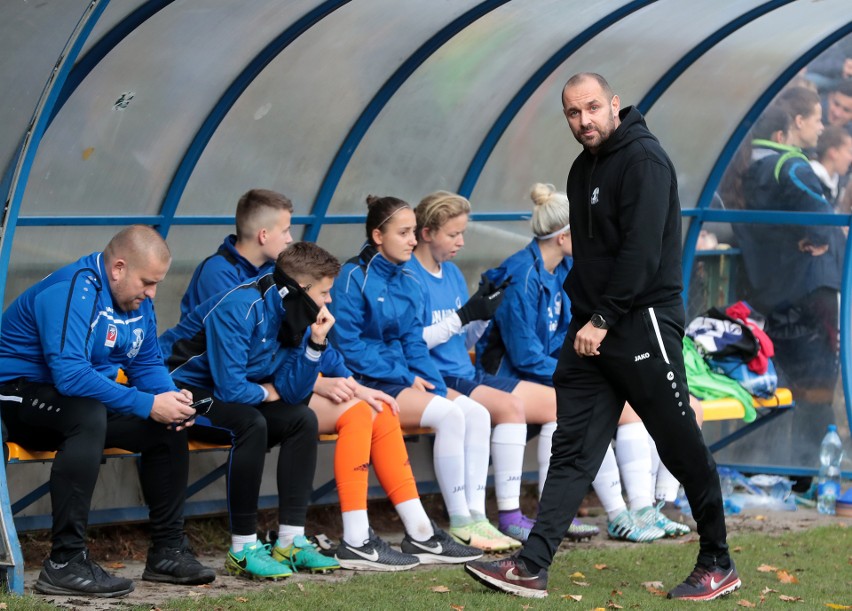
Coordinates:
(176,565)
(440,548)
(81,576)
(509,575)
(374,555)
(707,583)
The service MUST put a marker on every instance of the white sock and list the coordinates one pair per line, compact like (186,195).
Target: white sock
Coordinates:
(356,527)
(507,455)
(414,519)
(607,485)
(238,542)
(545,443)
(666,484)
(286,534)
(477,434)
(634,461)
(448,421)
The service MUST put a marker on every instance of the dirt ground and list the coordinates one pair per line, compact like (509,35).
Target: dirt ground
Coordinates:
(122,549)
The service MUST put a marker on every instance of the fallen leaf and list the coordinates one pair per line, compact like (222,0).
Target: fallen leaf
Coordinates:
(601,567)
(612,605)
(768,591)
(829,605)
(575,597)
(580,583)
(440,589)
(737,549)
(615,593)
(785,577)
(241,599)
(117,565)
(746,603)
(457,607)
(577,575)
(3,606)
(656,591)
(790,599)
(196,594)
(301,587)
(760,518)
(652,584)
(766,568)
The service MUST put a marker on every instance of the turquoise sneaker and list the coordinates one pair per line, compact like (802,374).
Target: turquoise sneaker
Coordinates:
(626,527)
(654,516)
(256,562)
(303,555)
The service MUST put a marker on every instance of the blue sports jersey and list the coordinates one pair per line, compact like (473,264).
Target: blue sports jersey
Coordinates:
(66,331)
(230,343)
(219,272)
(378,328)
(443,297)
(531,322)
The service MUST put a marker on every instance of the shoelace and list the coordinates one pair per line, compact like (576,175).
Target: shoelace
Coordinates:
(697,575)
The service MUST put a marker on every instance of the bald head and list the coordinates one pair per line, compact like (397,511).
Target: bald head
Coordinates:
(136,261)
(137,244)
(581,77)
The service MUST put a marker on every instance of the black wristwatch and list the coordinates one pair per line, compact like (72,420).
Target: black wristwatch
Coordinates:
(599,322)
(318,347)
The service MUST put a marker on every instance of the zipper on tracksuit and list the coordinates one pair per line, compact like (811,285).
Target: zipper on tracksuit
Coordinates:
(589,196)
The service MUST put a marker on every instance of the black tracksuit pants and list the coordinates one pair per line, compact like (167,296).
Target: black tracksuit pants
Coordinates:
(252,430)
(640,362)
(80,428)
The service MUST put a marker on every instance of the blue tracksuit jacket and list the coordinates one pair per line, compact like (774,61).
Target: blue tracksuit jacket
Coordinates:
(529,328)
(377,306)
(229,343)
(66,330)
(223,270)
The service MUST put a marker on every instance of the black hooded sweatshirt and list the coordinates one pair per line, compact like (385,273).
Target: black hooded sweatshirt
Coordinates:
(625,225)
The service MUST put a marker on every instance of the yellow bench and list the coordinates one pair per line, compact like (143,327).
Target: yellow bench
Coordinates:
(731,409)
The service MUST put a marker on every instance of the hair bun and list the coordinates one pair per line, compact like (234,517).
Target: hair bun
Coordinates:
(372,199)
(541,193)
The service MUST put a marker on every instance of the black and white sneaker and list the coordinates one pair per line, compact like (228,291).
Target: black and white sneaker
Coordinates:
(81,576)
(440,548)
(176,565)
(374,555)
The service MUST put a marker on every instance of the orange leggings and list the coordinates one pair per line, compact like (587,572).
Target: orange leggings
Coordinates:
(363,439)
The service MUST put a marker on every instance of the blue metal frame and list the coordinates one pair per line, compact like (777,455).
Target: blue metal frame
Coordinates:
(380,99)
(232,93)
(17,185)
(477,164)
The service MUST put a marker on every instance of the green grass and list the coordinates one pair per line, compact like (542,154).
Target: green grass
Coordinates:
(820,559)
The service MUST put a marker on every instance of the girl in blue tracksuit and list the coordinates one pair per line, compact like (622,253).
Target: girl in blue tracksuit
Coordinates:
(453,329)
(228,348)
(379,330)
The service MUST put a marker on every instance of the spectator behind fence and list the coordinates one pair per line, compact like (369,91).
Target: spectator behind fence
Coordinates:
(451,330)
(624,341)
(831,166)
(367,424)
(62,343)
(263,230)
(837,105)
(379,330)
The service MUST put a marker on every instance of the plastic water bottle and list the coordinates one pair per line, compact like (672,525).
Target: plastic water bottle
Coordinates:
(830,455)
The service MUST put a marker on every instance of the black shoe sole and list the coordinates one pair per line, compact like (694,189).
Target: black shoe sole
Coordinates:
(193,580)
(48,588)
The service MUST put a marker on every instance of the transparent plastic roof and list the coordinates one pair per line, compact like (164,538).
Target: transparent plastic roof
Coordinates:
(164,112)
